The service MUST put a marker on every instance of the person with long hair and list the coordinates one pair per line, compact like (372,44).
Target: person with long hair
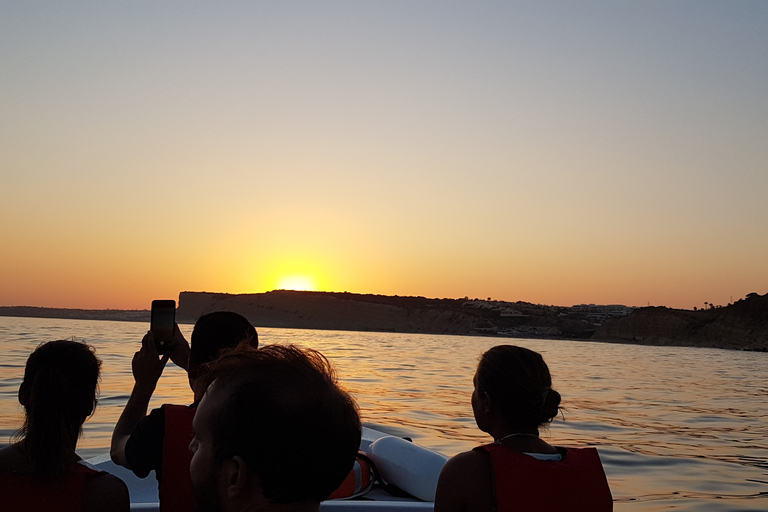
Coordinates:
(40,469)
(513,398)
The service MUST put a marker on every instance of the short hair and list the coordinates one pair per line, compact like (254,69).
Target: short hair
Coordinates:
(286,416)
(214,332)
(519,384)
(58,393)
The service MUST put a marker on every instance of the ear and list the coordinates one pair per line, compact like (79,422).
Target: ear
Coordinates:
(24,394)
(238,484)
(485,400)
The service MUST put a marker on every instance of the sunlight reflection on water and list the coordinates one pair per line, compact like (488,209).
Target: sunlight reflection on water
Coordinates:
(676,427)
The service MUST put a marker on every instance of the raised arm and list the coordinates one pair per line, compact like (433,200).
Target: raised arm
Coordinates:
(179,349)
(147,368)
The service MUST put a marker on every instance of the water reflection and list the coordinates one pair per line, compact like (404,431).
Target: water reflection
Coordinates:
(676,427)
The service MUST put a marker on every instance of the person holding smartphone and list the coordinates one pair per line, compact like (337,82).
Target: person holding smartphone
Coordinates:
(160,440)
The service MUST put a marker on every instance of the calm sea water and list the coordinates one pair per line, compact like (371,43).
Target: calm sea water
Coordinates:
(678,428)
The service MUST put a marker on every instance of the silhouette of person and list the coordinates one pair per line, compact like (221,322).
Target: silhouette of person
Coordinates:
(40,471)
(274,432)
(512,399)
(160,441)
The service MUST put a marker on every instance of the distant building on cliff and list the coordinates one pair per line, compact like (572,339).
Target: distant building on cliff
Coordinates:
(599,313)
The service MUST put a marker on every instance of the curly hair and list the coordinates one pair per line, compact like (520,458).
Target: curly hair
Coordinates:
(286,416)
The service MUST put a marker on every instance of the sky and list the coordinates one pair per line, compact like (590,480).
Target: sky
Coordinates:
(550,152)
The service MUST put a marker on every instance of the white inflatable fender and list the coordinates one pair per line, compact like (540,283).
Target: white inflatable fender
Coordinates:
(408,466)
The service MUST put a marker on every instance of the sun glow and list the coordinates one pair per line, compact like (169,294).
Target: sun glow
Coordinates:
(296,282)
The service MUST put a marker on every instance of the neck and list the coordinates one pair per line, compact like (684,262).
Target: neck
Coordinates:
(70,443)
(506,433)
(518,435)
(525,440)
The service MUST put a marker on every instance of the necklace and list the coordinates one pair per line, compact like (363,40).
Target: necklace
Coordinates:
(517,434)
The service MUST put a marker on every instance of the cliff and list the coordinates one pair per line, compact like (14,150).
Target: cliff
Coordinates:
(382,313)
(338,311)
(742,325)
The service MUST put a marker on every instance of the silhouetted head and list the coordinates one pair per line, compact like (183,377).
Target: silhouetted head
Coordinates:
(215,332)
(276,418)
(58,394)
(519,385)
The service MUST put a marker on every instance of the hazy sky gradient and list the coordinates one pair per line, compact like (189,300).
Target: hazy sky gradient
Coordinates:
(552,152)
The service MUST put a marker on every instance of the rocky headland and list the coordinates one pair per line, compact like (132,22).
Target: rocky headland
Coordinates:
(740,326)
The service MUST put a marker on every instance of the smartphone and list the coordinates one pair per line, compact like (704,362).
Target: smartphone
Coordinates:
(162,322)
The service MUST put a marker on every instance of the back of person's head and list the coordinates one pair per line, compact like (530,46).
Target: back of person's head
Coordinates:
(214,332)
(58,394)
(519,384)
(286,416)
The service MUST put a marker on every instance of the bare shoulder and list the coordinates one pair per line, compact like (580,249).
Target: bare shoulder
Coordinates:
(106,492)
(473,459)
(11,459)
(465,483)
(6,457)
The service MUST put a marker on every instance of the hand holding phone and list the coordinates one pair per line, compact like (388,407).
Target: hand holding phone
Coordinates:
(162,322)
(179,351)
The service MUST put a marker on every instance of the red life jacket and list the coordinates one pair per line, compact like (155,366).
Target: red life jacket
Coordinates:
(29,494)
(358,482)
(175,483)
(523,483)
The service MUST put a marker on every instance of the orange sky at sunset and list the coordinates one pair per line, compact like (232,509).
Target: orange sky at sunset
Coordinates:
(556,153)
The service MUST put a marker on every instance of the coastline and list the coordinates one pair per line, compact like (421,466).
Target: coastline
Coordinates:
(114,315)
(741,326)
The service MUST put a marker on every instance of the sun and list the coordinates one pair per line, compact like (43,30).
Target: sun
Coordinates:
(297,282)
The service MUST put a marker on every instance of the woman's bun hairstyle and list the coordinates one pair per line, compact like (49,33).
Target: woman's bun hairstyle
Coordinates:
(550,406)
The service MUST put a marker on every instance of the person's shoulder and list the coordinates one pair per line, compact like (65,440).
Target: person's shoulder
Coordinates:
(12,460)
(472,460)
(153,421)
(144,446)
(170,406)
(105,492)
(7,458)
(465,483)
(161,413)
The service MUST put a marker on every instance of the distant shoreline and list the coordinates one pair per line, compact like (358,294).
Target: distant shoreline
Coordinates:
(740,326)
(119,315)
